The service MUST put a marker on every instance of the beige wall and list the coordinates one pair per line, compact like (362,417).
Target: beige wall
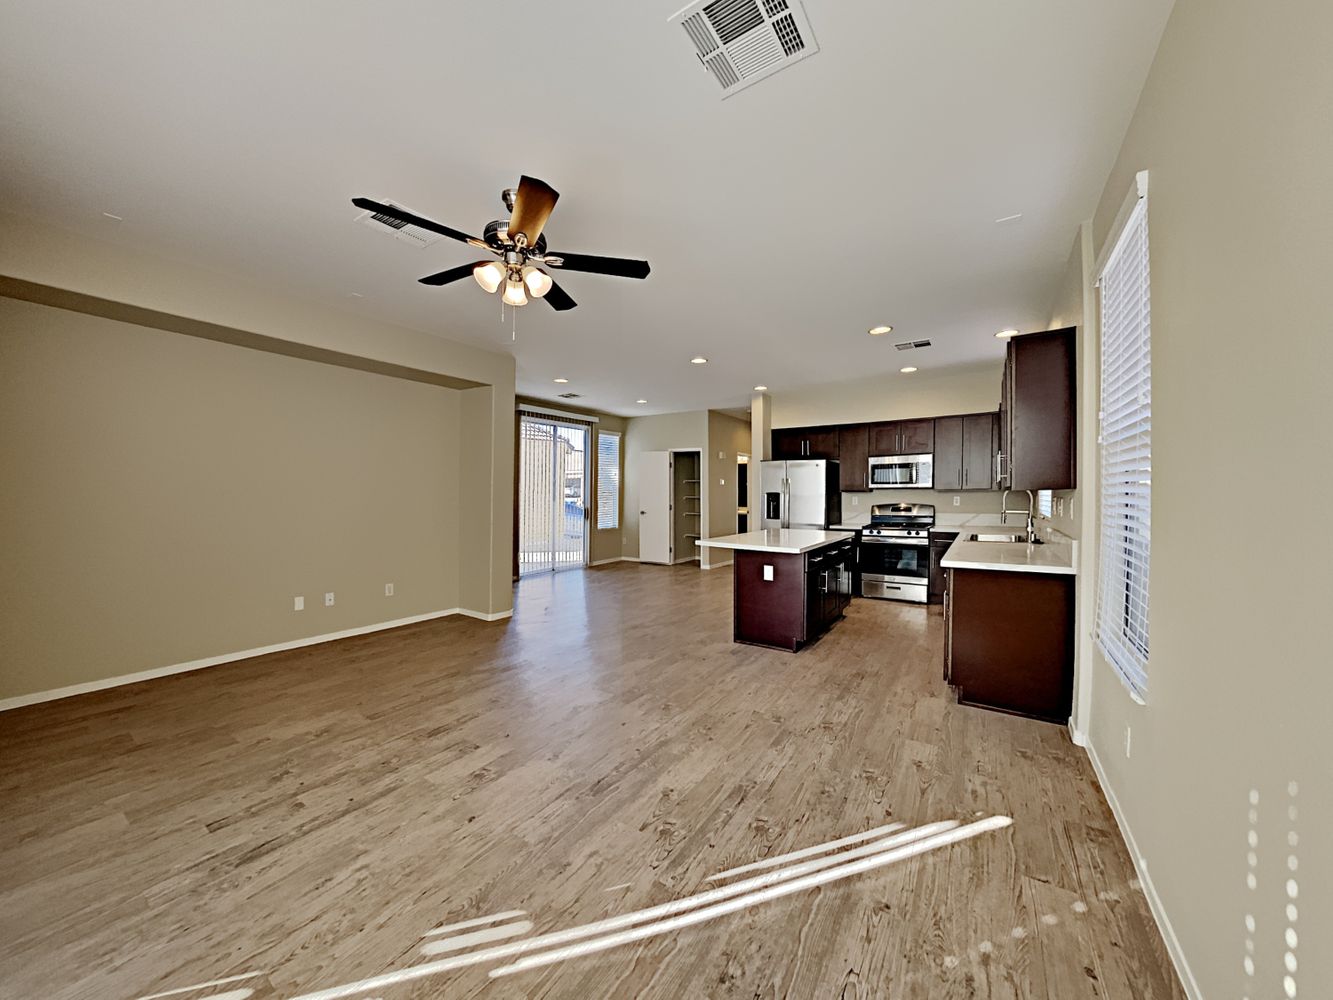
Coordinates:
(960,389)
(728,437)
(660,432)
(34,251)
(164,498)
(1235,125)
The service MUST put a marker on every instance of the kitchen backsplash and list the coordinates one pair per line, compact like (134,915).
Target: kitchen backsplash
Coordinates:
(856,506)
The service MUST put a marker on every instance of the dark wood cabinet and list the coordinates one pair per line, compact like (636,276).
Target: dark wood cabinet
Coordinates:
(789,442)
(916,437)
(902,437)
(1009,641)
(1037,436)
(965,449)
(948,453)
(939,545)
(806,595)
(853,458)
(980,445)
(805,442)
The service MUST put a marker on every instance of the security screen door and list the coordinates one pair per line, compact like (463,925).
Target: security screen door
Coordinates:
(553,495)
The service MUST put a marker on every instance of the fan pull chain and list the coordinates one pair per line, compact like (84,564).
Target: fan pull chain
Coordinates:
(513,336)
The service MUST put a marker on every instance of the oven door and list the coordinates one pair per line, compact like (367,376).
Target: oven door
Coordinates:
(899,472)
(896,568)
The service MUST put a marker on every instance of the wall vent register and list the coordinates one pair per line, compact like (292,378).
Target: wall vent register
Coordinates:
(741,42)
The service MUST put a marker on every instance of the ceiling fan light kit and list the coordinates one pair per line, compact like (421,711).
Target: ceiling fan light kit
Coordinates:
(520,245)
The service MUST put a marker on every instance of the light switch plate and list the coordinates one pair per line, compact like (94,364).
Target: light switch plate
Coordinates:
(768,573)
(956,501)
(298,604)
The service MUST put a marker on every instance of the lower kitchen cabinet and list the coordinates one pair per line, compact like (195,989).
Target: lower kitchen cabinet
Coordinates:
(939,545)
(1009,641)
(802,597)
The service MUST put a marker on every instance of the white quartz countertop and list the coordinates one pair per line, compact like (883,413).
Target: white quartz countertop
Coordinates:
(785,540)
(1057,555)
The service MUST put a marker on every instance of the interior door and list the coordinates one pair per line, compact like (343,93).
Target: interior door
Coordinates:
(655,507)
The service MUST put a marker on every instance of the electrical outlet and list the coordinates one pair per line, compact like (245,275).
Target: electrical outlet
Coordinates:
(1128,732)
(768,573)
(298,604)
(957,501)
(1059,506)
(328,599)
(388,590)
(856,501)
(722,482)
(721,456)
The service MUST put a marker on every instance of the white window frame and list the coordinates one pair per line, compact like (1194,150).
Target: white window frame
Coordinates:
(1124,445)
(615,509)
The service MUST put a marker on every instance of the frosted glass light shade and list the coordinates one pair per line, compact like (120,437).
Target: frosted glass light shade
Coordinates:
(514,295)
(489,275)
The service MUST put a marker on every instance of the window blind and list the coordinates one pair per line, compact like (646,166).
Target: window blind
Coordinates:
(1044,500)
(1126,454)
(608,480)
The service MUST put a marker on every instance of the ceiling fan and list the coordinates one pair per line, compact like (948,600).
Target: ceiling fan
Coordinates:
(520,245)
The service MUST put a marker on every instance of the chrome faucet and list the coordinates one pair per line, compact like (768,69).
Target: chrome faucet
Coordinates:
(1031,526)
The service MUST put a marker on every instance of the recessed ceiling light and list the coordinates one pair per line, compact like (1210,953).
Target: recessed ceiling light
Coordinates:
(1005,334)
(879,331)
(908,370)
(641,401)
(560,381)
(699,361)
(761,388)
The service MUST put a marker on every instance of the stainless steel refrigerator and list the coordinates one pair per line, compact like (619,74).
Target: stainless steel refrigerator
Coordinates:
(800,494)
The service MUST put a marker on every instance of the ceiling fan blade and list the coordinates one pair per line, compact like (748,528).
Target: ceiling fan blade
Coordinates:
(558,299)
(453,274)
(390,212)
(621,267)
(532,207)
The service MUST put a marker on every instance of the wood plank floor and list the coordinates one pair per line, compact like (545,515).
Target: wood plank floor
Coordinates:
(310,815)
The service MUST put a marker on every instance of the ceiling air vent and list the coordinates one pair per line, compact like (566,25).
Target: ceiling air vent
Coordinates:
(740,42)
(398,229)
(571,395)
(911,345)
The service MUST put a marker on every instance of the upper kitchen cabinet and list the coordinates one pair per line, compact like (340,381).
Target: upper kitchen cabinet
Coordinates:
(1036,438)
(853,457)
(902,437)
(965,449)
(805,442)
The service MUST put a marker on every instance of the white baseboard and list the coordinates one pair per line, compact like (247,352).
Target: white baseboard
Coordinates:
(613,559)
(492,616)
(1076,736)
(37,697)
(1173,948)
(720,565)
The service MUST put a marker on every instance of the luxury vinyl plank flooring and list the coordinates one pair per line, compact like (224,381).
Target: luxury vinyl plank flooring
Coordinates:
(310,815)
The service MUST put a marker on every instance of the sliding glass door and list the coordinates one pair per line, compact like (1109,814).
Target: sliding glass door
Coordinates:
(552,495)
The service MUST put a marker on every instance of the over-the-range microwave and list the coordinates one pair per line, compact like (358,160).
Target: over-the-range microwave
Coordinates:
(902,472)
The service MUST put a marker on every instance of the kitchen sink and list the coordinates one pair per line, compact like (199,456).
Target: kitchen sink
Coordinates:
(998,537)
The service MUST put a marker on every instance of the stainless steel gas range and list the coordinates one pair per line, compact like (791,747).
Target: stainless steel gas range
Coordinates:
(894,554)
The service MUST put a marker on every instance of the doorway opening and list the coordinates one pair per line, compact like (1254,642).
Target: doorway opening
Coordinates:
(742,493)
(552,495)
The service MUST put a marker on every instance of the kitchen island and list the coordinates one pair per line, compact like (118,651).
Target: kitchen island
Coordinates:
(789,584)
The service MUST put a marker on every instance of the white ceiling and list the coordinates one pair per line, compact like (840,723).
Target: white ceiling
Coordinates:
(858,187)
